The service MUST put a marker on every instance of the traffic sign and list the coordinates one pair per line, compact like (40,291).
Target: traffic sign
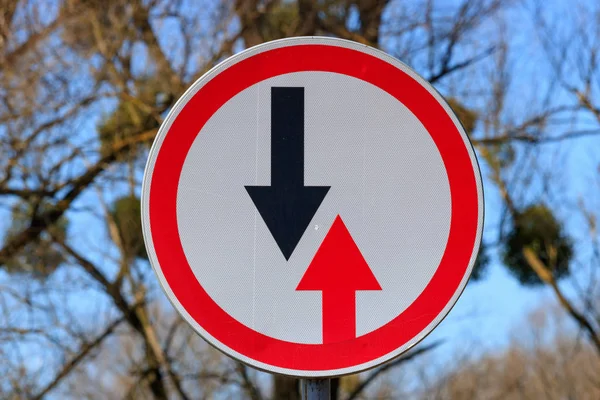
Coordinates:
(312,207)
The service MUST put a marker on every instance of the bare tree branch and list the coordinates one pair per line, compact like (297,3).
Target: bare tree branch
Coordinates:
(386,367)
(247,384)
(40,222)
(448,69)
(546,276)
(535,139)
(83,352)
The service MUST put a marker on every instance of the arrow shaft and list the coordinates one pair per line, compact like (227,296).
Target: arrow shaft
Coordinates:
(287,206)
(287,136)
(339,316)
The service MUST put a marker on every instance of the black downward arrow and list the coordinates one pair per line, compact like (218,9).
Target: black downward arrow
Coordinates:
(287,206)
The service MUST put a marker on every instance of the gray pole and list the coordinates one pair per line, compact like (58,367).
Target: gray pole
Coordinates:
(316,389)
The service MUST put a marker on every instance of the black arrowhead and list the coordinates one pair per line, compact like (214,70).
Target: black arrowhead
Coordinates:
(287,213)
(287,206)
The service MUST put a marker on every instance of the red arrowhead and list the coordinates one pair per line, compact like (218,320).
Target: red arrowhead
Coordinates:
(338,269)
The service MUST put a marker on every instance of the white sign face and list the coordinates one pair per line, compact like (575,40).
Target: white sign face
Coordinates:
(312,207)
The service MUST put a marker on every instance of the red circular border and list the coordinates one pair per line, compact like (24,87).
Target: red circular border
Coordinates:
(240,338)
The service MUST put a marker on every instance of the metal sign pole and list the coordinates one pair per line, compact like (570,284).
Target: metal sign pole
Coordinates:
(316,389)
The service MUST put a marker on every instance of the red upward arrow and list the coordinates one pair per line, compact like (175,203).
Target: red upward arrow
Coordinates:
(338,270)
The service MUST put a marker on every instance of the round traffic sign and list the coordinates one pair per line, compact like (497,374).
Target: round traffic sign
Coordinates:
(312,207)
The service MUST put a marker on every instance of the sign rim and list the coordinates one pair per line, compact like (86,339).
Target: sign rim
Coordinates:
(165,128)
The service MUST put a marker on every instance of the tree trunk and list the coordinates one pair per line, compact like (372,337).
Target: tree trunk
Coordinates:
(286,388)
